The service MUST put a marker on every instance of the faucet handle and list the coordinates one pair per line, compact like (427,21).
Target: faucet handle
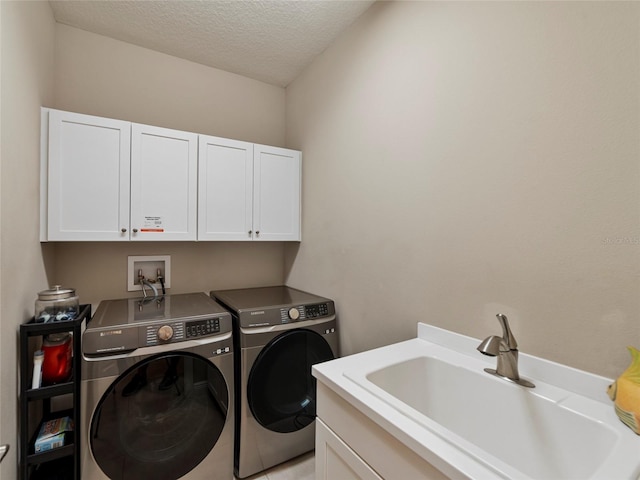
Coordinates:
(508,337)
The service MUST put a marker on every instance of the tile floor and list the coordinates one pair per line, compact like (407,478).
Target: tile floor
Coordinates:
(300,468)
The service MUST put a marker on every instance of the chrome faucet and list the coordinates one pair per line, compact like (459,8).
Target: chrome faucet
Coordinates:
(506,349)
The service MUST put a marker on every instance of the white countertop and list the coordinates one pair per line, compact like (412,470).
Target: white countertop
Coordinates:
(575,389)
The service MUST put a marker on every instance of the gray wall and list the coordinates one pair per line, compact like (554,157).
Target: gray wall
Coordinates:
(469,158)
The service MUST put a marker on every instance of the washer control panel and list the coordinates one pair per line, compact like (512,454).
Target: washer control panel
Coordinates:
(201,328)
(172,332)
(163,333)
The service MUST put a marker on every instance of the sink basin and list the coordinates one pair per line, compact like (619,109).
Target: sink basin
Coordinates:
(529,432)
(488,427)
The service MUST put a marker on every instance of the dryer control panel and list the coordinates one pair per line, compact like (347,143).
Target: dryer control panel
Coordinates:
(320,310)
(278,305)
(304,312)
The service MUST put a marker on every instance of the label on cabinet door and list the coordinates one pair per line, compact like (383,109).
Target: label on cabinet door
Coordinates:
(152,224)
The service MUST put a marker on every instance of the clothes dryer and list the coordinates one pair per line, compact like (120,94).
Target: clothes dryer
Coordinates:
(279,333)
(157,390)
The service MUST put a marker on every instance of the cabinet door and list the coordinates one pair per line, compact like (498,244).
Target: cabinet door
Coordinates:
(335,459)
(164,172)
(225,190)
(88,177)
(276,193)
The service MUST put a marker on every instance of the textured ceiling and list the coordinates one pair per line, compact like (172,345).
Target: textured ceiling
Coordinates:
(267,40)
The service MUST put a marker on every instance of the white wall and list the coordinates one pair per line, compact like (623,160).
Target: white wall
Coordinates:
(26,69)
(100,76)
(467,158)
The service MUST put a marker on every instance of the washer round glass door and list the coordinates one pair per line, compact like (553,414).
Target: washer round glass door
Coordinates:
(281,391)
(159,419)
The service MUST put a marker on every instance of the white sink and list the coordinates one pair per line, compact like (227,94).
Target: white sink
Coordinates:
(529,432)
(484,426)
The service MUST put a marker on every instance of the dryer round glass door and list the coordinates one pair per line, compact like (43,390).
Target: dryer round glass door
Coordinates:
(281,391)
(160,418)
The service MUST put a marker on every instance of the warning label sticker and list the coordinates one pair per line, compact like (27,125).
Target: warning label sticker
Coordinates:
(152,224)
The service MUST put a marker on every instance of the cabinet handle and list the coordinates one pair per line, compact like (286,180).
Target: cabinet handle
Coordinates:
(249,232)
(123,230)
(135,230)
(258,233)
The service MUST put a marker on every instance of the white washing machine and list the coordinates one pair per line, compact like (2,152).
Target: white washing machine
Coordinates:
(279,333)
(157,390)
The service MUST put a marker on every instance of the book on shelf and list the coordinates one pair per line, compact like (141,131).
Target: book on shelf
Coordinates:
(52,434)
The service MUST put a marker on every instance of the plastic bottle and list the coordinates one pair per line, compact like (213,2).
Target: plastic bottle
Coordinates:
(38,356)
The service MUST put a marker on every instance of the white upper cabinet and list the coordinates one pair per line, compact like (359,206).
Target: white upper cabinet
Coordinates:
(164,182)
(111,180)
(86,196)
(225,193)
(276,193)
(247,191)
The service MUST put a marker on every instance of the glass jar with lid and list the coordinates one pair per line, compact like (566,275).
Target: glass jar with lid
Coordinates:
(56,305)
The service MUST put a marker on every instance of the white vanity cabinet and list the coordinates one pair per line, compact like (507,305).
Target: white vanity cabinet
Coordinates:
(351,445)
(335,459)
(112,180)
(164,182)
(247,191)
(84,177)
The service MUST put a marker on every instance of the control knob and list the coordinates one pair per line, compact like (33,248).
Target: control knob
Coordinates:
(294,314)
(165,333)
